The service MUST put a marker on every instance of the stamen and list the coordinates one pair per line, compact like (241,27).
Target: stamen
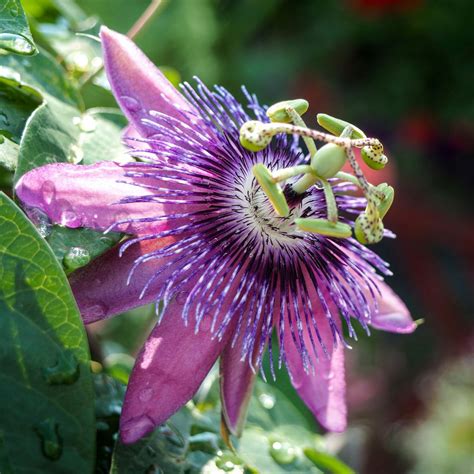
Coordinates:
(324,227)
(271,189)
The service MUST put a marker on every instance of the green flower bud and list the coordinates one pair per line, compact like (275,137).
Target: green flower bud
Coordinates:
(253,136)
(368,229)
(328,160)
(373,157)
(386,203)
(336,126)
(324,227)
(271,189)
(277,112)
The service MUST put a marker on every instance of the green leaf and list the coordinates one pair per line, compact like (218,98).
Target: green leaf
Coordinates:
(43,73)
(327,462)
(17,103)
(47,415)
(8,154)
(15,34)
(64,241)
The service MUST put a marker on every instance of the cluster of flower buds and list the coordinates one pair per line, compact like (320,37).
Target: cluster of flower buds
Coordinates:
(325,164)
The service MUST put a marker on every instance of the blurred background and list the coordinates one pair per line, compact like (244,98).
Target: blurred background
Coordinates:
(400,70)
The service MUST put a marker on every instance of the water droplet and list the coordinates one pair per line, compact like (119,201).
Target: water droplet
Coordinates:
(40,220)
(76,154)
(16,43)
(88,123)
(282,452)
(130,103)
(96,311)
(267,400)
(78,60)
(66,370)
(70,219)
(51,443)
(76,257)
(48,190)
(146,394)
(229,462)
(329,375)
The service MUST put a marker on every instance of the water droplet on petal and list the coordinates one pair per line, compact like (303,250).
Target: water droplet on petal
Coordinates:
(96,311)
(16,43)
(137,427)
(48,190)
(70,219)
(76,257)
(282,452)
(146,394)
(329,375)
(131,104)
(51,444)
(267,400)
(66,370)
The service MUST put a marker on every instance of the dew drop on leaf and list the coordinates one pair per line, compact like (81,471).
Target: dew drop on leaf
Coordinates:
(51,444)
(16,43)
(40,220)
(282,452)
(66,370)
(267,400)
(76,257)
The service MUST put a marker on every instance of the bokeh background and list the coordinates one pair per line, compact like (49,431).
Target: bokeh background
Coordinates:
(400,70)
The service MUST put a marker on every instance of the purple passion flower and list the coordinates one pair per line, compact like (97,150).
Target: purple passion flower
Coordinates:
(205,242)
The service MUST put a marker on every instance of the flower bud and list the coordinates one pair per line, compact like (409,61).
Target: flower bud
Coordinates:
(328,160)
(368,230)
(373,157)
(324,227)
(336,126)
(271,189)
(253,136)
(277,112)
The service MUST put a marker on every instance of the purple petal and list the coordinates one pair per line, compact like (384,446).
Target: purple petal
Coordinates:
(392,314)
(236,383)
(168,371)
(101,288)
(88,196)
(324,390)
(137,83)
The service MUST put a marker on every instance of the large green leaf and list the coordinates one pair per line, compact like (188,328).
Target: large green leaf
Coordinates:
(15,34)
(47,417)
(41,72)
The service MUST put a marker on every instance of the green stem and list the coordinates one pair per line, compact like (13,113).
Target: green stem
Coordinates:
(330,201)
(285,173)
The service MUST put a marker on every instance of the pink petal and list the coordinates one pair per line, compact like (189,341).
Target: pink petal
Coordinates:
(392,314)
(137,83)
(236,383)
(167,373)
(101,288)
(88,196)
(324,390)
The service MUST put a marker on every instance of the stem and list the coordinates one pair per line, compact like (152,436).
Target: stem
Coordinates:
(145,17)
